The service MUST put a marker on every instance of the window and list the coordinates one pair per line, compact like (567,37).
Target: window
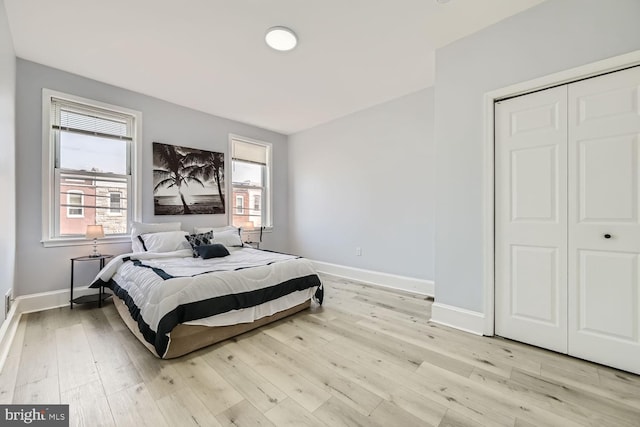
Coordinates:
(239,205)
(251,182)
(75,204)
(90,162)
(114,203)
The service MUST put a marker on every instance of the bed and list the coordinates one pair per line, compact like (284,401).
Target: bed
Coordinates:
(178,292)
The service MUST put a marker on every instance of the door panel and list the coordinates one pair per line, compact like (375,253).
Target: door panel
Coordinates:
(602,313)
(534,284)
(613,101)
(608,176)
(531,239)
(534,184)
(539,118)
(604,243)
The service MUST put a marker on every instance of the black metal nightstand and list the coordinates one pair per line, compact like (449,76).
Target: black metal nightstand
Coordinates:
(100,296)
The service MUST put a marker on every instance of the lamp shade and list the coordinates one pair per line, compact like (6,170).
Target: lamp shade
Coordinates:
(248,225)
(94,232)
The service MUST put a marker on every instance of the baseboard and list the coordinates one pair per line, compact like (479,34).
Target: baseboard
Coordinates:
(419,286)
(459,318)
(8,332)
(48,300)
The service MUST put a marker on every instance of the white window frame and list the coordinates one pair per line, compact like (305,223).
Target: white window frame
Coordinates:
(69,194)
(50,194)
(266,201)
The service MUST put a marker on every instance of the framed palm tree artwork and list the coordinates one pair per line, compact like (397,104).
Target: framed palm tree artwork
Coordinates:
(187,180)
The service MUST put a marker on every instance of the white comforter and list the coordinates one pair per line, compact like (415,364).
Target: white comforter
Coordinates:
(158,283)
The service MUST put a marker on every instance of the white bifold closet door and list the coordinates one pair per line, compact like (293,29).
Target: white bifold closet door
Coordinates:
(531,218)
(568,219)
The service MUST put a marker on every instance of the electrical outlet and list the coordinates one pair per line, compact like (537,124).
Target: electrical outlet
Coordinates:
(358,251)
(7,303)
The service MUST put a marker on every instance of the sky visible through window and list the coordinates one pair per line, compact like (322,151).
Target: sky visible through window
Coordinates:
(84,152)
(244,172)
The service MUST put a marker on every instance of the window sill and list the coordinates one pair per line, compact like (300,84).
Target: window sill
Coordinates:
(81,241)
(257,230)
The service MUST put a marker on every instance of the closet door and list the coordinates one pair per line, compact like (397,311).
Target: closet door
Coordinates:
(530,223)
(604,219)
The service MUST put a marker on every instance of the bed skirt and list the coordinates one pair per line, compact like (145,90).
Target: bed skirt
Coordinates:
(188,338)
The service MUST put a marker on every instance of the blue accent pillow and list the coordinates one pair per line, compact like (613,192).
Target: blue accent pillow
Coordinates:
(215,250)
(200,239)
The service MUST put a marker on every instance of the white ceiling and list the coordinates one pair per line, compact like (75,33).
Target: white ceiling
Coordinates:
(210,55)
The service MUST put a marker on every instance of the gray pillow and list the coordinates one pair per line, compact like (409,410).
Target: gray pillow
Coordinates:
(215,250)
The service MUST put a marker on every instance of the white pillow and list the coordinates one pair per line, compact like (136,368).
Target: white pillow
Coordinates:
(228,238)
(139,228)
(164,241)
(200,230)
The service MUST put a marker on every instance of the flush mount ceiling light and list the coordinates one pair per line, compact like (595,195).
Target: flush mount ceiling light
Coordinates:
(281,38)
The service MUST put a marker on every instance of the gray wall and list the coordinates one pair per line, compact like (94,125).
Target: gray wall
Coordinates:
(7,159)
(44,269)
(554,36)
(367,180)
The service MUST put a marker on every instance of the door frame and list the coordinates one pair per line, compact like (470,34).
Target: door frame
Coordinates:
(488,182)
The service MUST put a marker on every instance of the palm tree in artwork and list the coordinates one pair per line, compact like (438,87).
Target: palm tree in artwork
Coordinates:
(173,170)
(210,166)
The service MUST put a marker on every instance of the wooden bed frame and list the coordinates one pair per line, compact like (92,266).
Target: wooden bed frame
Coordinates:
(188,338)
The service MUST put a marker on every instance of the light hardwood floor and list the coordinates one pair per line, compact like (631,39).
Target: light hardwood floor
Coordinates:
(368,357)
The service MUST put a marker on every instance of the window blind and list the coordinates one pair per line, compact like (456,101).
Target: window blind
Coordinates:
(248,152)
(71,117)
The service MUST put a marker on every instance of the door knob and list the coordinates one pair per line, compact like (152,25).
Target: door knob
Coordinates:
(607,236)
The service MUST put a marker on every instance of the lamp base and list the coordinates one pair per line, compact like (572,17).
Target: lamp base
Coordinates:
(95,253)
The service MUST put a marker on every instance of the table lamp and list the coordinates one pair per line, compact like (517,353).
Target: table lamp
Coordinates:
(94,232)
(247,226)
